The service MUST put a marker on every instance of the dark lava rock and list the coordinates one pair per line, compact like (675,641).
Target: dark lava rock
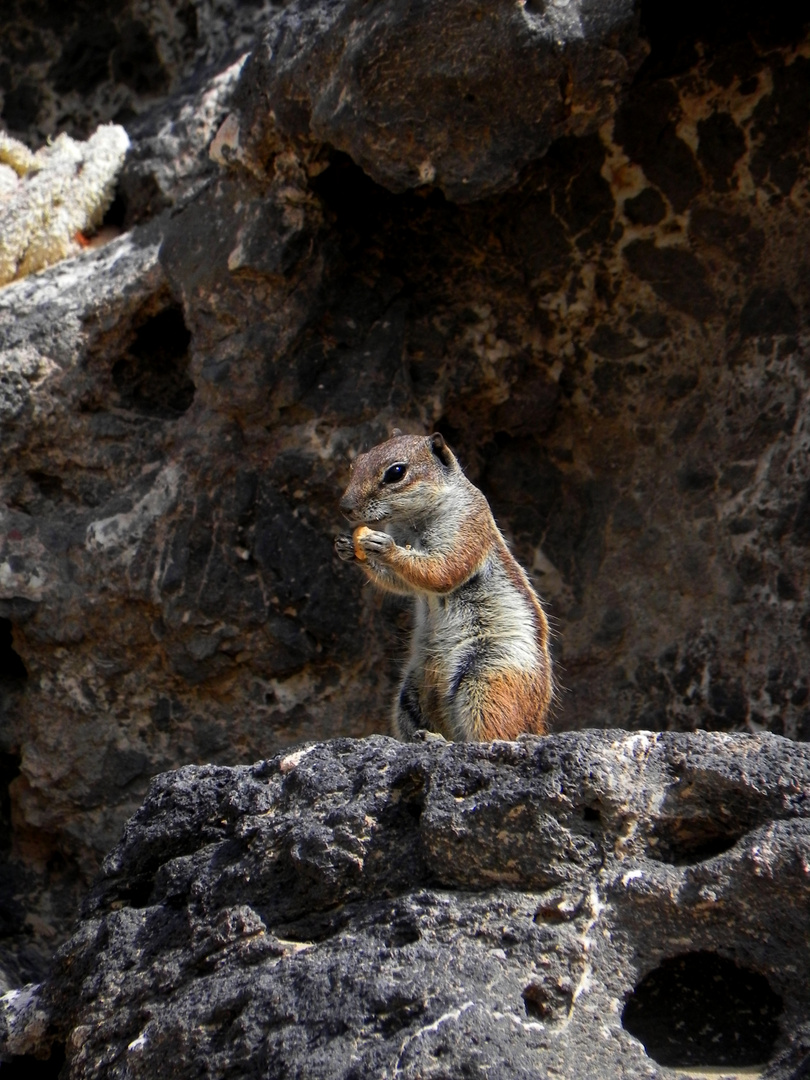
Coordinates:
(460,94)
(646,128)
(676,275)
(369,909)
(69,67)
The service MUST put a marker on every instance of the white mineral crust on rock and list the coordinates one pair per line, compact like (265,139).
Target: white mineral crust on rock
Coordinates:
(47,197)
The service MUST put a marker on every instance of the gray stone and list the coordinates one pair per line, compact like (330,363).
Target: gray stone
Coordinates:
(21,367)
(357,909)
(169,161)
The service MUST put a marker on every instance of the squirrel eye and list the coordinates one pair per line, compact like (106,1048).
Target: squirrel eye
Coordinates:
(394,473)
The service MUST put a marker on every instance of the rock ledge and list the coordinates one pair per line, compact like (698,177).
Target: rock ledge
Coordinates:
(372,908)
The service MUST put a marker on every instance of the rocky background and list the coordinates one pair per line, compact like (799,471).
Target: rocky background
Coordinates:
(571,237)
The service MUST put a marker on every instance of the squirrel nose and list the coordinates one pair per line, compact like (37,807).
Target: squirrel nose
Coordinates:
(347,504)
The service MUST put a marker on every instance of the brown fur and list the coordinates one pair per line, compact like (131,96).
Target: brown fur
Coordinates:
(479,667)
(445,570)
(508,701)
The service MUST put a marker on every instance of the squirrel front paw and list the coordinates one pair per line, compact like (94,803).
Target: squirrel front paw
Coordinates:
(344,548)
(368,542)
(364,542)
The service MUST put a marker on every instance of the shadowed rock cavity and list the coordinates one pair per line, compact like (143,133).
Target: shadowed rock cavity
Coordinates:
(701,1010)
(12,669)
(152,377)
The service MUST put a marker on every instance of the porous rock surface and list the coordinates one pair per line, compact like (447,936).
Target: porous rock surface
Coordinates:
(376,909)
(69,67)
(616,346)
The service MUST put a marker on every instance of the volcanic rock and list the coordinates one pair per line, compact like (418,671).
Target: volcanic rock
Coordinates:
(591,904)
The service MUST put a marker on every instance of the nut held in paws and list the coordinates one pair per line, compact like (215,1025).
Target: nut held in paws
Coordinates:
(361,530)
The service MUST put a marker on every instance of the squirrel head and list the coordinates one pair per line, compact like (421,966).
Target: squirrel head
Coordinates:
(399,479)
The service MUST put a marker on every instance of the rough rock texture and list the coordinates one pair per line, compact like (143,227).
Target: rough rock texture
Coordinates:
(374,909)
(71,66)
(458,95)
(617,347)
(168,163)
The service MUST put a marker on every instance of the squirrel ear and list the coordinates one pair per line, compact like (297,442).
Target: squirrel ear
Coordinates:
(441,449)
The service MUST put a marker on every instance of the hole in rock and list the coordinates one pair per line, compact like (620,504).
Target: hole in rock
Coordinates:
(116,212)
(408,797)
(317,927)
(467,782)
(152,375)
(537,1002)
(400,1012)
(545,1000)
(138,892)
(12,668)
(50,487)
(701,1010)
(560,906)
(355,199)
(26,1067)
(402,930)
(361,206)
(685,841)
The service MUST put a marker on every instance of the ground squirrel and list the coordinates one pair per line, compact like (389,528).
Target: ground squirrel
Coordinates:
(479,666)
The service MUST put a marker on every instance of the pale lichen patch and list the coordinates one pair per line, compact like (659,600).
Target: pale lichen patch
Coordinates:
(49,197)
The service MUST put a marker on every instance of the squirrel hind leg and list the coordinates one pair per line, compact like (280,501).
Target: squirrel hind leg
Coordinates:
(408,718)
(500,705)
